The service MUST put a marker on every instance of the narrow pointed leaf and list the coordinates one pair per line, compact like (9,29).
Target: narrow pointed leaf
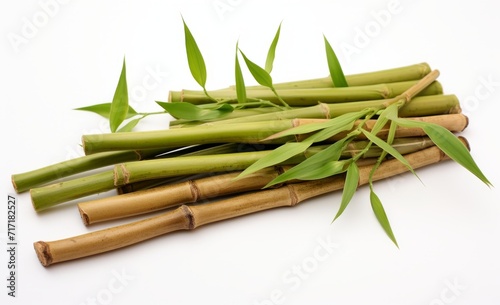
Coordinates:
(389,149)
(350,187)
(450,145)
(272,51)
(195,58)
(188,111)
(130,125)
(327,169)
(119,106)
(241,92)
(259,74)
(313,163)
(336,73)
(104,110)
(342,121)
(455,149)
(379,211)
(277,156)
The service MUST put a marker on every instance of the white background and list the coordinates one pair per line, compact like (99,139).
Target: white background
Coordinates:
(448,229)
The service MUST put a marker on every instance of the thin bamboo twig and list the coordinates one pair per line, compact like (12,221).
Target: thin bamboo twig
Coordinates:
(190,217)
(194,190)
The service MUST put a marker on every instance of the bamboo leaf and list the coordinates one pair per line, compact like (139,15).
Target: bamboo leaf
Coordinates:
(259,74)
(341,122)
(277,156)
(241,92)
(188,111)
(336,73)
(272,51)
(350,187)
(379,211)
(104,110)
(130,125)
(389,149)
(450,145)
(312,164)
(119,106)
(195,58)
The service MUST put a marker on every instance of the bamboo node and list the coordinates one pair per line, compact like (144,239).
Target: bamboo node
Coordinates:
(189,217)
(195,191)
(294,200)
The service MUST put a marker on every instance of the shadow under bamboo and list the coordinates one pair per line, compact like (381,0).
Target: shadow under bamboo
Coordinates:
(190,217)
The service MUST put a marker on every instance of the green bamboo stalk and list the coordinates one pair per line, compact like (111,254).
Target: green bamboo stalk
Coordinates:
(419,106)
(245,132)
(24,181)
(309,97)
(130,172)
(399,74)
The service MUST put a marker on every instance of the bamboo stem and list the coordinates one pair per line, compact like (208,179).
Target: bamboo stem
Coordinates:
(191,217)
(309,97)
(419,106)
(400,74)
(247,132)
(27,180)
(130,172)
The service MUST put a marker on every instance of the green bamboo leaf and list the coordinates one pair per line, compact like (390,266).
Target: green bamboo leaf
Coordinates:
(119,106)
(341,122)
(336,73)
(313,164)
(241,92)
(379,211)
(384,117)
(272,51)
(350,187)
(104,109)
(130,125)
(277,156)
(188,111)
(195,58)
(259,74)
(450,145)
(327,169)
(389,149)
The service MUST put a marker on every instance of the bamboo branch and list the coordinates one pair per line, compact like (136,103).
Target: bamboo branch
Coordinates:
(191,217)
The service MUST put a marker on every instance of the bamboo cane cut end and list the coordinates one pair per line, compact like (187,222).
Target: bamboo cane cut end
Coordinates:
(42,250)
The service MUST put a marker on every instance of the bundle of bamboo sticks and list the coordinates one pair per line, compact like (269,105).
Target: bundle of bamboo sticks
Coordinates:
(175,169)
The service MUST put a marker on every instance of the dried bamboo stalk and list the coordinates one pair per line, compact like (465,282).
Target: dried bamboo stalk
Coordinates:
(190,217)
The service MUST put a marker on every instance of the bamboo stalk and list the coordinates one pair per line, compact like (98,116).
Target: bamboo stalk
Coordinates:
(309,97)
(194,190)
(419,106)
(24,181)
(190,217)
(125,173)
(399,74)
(247,132)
